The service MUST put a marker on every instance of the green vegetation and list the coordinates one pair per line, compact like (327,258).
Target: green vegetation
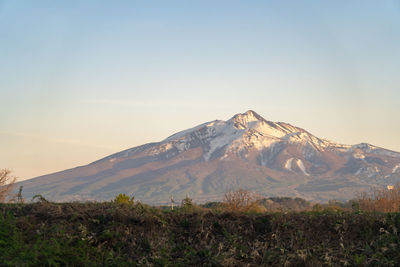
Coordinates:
(87,234)
(124,199)
(242,230)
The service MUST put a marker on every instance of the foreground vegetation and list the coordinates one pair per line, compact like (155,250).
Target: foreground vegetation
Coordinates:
(243,230)
(114,234)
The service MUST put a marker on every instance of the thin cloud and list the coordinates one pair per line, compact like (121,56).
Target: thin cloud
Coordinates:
(57,140)
(152,104)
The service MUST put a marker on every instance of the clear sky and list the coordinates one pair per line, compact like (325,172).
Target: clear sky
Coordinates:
(80,80)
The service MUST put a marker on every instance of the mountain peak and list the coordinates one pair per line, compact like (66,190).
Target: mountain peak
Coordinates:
(251,113)
(247,117)
(245,151)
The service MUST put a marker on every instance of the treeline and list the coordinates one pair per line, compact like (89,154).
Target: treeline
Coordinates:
(241,200)
(377,200)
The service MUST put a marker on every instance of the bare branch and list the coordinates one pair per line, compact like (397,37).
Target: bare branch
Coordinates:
(7,182)
(241,200)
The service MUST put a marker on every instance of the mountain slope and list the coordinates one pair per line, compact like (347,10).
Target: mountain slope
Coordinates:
(246,151)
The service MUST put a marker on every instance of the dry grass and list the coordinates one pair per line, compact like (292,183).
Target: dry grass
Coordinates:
(383,200)
(110,234)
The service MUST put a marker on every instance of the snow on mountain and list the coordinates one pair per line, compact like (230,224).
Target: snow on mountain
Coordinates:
(288,164)
(300,164)
(396,168)
(243,132)
(245,151)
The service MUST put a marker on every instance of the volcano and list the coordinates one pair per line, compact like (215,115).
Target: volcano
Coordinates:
(246,151)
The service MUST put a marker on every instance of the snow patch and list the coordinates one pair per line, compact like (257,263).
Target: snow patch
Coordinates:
(358,155)
(376,150)
(359,171)
(388,153)
(270,129)
(256,140)
(225,156)
(371,172)
(396,168)
(182,146)
(183,133)
(288,164)
(300,164)
(223,137)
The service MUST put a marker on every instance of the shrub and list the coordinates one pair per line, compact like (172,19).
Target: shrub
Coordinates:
(124,199)
(189,206)
(187,203)
(105,234)
(242,201)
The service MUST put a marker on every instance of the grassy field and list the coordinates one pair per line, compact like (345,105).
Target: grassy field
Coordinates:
(111,234)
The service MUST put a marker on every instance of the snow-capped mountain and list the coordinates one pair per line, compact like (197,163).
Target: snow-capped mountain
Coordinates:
(246,151)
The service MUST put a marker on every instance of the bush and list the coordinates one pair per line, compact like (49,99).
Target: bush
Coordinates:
(242,201)
(189,206)
(124,199)
(105,234)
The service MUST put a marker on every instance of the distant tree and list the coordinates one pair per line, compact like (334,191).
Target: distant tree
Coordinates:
(242,201)
(19,197)
(7,182)
(124,199)
(189,206)
(187,202)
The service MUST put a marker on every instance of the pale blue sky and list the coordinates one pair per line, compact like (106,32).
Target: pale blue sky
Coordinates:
(83,79)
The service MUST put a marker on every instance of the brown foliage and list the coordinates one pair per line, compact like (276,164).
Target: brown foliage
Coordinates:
(242,201)
(383,200)
(7,182)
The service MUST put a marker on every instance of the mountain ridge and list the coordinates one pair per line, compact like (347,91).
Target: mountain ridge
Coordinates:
(245,151)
